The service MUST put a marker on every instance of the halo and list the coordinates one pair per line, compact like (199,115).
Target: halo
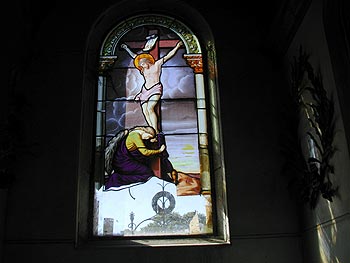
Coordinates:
(141,56)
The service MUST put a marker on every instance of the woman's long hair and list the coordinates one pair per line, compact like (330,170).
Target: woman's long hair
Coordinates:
(111,148)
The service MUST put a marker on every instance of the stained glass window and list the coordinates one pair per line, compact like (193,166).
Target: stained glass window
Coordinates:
(158,168)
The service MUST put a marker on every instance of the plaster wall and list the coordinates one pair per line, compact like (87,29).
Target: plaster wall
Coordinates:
(326,228)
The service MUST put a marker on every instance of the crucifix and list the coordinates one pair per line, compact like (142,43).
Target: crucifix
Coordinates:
(148,61)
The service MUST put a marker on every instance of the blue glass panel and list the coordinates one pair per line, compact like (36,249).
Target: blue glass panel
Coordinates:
(121,114)
(179,117)
(178,83)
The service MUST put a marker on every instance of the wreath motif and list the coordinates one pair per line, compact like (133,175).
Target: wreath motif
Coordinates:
(166,199)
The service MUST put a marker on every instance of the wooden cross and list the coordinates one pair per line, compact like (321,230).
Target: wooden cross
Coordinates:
(155,52)
(165,43)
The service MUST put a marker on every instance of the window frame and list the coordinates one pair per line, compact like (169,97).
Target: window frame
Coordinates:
(86,171)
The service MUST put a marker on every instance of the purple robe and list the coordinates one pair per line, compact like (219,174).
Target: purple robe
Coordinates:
(129,167)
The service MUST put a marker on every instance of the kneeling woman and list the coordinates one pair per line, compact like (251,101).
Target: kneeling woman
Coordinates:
(128,157)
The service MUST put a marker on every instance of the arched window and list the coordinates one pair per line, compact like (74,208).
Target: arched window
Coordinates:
(155,171)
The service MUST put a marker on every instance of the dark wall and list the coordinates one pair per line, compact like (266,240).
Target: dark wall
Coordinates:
(325,229)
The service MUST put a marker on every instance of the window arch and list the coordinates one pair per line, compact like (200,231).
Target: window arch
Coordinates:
(151,72)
